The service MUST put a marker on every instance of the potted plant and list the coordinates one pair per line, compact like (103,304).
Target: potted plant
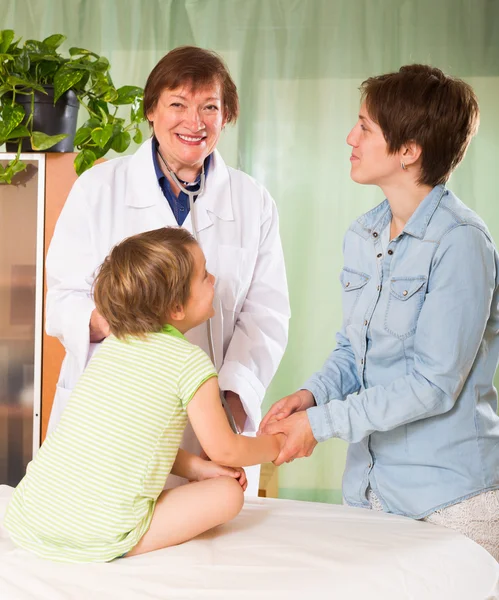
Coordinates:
(34,73)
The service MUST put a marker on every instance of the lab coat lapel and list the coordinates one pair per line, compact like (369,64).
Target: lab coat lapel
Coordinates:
(216,200)
(142,189)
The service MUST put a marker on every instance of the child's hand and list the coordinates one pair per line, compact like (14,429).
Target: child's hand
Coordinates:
(208,469)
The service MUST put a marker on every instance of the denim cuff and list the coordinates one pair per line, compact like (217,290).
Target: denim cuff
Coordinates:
(320,422)
(317,388)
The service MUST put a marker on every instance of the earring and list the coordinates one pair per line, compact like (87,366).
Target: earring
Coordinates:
(404,168)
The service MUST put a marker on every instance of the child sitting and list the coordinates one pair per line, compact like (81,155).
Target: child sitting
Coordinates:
(94,492)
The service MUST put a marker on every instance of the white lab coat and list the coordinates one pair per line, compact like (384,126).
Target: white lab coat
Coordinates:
(238,231)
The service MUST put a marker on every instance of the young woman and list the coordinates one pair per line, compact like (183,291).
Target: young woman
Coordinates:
(410,383)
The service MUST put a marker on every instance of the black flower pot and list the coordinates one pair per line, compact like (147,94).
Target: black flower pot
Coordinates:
(50,119)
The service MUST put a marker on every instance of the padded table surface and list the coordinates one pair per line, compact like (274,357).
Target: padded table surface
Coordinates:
(275,549)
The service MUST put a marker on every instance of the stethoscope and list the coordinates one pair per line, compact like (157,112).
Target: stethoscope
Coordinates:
(192,195)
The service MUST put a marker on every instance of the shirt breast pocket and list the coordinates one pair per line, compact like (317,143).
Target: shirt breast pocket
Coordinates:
(405,301)
(353,283)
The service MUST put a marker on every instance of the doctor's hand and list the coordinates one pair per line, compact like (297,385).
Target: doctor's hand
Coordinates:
(300,440)
(99,328)
(300,400)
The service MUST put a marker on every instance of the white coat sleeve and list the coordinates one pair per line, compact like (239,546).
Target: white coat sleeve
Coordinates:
(70,267)
(261,330)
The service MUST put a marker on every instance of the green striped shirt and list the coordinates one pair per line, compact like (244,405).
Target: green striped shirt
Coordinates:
(89,494)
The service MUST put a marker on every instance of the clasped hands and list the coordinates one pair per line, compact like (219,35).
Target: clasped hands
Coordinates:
(288,416)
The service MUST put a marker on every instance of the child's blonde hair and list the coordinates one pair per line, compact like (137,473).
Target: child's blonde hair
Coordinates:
(143,279)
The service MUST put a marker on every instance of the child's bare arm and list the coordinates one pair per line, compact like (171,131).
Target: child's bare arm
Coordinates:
(220,443)
(186,465)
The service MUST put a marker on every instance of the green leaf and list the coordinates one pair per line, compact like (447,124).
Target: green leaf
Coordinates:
(42,141)
(17,81)
(128,94)
(101,64)
(137,111)
(64,81)
(35,46)
(92,123)
(7,173)
(18,166)
(6,37)
(110,95)
(84,160)
(54,41)
(19,132)
(101,136)
(81,51)
(12,116)
(22,62)
(13,46)
(46,71)
(137,138)
(84,134)
(121,142)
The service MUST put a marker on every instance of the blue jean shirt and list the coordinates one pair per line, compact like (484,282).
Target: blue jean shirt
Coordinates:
(410,382)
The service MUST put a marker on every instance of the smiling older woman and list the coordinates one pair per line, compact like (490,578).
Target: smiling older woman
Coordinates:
(188,99)
(410,382)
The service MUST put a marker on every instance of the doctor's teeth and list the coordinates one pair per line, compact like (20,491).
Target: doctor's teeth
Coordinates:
(189,138)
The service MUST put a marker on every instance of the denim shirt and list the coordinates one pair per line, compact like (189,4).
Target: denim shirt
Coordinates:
(410,383)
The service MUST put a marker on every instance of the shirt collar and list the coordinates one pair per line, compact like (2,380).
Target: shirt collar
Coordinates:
(171,330)
(159,173)
(376,219)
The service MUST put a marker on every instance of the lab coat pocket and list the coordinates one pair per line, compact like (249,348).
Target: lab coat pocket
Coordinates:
(353,283)
(232,276)
(404,305)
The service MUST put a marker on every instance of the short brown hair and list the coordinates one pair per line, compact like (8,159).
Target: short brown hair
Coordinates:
(419,103)
(196,67)
(143,278)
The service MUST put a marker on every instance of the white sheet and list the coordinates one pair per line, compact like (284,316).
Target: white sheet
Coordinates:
(275,549)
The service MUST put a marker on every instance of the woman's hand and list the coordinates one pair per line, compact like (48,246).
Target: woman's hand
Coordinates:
(300,400)
(99,328)
(299,440)
(206,469)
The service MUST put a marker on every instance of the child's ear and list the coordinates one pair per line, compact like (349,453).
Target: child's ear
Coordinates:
(177,314)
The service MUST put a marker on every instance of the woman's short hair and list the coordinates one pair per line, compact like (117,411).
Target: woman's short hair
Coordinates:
(196,68)
(419,103)
(143,279)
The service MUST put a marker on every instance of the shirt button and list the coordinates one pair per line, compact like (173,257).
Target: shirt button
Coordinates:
(379,288)
(404,293)
(379,255)
(347,284)
(375,234)
(390,252)
(369,465)
(365,322)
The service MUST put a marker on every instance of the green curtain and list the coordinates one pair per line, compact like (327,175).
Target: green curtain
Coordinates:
(298,65)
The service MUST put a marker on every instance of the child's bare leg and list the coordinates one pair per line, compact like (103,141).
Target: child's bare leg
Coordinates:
(186,511)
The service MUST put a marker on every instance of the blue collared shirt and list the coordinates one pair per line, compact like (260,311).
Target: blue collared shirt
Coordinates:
(410,383)
(179,205)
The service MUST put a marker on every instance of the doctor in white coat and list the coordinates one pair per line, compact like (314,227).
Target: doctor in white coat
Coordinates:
(188,99)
